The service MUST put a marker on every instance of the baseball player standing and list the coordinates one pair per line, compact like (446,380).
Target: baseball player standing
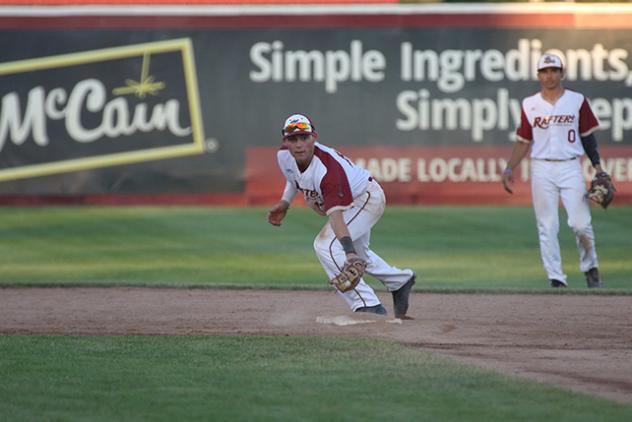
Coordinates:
(353,202)
(557,124)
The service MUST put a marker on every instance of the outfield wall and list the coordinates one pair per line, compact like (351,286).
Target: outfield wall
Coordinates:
(183,104)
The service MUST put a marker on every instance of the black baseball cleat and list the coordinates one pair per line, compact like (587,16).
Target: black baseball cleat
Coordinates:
(557,283)
(593,279)
(401,296)
(377,309)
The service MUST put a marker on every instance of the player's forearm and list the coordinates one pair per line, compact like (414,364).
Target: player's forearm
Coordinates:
(341,231)
(283,205)
(338,224)
(589,143)
(289,192)
(519,151)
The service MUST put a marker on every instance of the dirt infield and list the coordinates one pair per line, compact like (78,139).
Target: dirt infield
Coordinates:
(579,342)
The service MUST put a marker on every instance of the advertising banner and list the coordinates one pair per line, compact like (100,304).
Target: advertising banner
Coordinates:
(434,175)
(91,126)
(164,103)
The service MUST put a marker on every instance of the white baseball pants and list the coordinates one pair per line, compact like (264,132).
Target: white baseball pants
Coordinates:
(360,218)
(550,182)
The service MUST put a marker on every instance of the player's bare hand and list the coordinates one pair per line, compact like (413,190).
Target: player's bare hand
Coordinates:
(351,256)
(277,213)
(508,181)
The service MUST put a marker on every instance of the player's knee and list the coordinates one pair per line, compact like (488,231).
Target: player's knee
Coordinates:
(580,229)
(579,226)
(548,227)
(321,245)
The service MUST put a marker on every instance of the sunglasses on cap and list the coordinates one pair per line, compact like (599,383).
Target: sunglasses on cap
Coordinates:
(293,127)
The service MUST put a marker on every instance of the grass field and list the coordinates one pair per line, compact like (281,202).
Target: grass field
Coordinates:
(490,249)
(265,379)
(471,248)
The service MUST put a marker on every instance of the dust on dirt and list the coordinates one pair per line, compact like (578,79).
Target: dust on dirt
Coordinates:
(579,342)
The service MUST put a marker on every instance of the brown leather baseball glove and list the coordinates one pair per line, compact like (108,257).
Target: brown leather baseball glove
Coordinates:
(350,275)
(601,189)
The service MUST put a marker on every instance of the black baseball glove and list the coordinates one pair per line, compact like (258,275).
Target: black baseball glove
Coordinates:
(601,189)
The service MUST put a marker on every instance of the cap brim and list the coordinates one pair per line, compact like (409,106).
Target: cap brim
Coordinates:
(297,132)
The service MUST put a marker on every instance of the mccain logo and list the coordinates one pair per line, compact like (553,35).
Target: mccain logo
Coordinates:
(99,108)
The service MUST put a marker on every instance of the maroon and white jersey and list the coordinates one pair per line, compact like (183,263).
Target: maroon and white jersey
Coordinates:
(331,179)
(555,129)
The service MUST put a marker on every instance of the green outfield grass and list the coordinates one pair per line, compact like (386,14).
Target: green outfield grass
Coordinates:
(266,379)
(490,249)
(451,248)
